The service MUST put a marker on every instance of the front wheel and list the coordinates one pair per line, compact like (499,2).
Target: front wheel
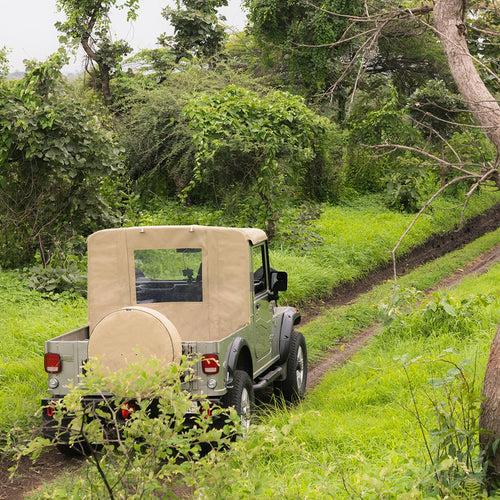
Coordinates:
(293,388)
(241,397)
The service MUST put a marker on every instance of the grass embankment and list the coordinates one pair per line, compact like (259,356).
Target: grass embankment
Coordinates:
(356,434)
(357,238)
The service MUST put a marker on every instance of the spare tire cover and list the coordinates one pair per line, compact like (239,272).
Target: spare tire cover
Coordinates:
(131,335)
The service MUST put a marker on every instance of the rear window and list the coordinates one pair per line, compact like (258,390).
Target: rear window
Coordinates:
(168,275)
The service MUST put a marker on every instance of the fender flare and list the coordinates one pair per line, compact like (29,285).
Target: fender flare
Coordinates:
(233,355)
(291,318)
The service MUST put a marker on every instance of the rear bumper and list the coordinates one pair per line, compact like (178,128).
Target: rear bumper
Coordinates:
(60,430)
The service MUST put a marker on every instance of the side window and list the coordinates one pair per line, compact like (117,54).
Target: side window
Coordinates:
(168,275)
(258,269)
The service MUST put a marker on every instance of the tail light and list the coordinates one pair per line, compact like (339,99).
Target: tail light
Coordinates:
(52,362)
(210,364)
(50,411)
(126,410)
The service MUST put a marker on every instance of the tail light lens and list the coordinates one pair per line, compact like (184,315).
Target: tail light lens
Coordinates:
(126,410)
(52,362)
(50,411)
(210,364)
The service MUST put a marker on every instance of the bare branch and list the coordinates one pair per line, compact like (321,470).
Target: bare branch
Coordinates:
(423,152)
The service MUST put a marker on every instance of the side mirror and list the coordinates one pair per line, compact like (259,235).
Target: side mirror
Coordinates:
(279,281)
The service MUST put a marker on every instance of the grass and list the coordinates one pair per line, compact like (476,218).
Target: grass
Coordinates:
(356,236)
(343,322)
(27,320)
(356,434)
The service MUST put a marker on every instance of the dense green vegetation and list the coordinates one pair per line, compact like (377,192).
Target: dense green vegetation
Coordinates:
(245,128)
(326,129)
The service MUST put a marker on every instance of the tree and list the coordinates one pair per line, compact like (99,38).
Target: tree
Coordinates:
(489,423)
(314,46)
(55,154)
(199,31)
(87,23)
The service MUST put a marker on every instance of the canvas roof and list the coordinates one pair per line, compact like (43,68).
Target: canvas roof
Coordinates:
(226,305)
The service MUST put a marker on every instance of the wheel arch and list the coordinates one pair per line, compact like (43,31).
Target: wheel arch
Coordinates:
(239,358)
(291,318)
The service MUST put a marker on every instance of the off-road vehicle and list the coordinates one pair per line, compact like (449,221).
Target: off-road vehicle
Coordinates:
(165,291)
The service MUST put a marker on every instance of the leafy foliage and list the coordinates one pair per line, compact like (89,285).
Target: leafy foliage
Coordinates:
(269,145)
(367,169)
(300,35)
(198,28)
(52,280)
(437,108)
(55,151)
(151,453)
(444,314)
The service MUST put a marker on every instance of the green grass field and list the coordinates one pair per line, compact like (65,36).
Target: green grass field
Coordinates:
(26,322)
(357,238)
(356,434)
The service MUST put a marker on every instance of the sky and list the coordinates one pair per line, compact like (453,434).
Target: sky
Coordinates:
(27,28)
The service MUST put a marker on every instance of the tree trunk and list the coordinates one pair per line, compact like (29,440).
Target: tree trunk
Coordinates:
(105,85)
(489,422)
(449,23)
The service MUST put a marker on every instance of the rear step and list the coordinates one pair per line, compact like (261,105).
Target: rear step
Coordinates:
(268,378)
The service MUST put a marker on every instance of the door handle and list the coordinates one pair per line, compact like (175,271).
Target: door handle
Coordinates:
(257,306)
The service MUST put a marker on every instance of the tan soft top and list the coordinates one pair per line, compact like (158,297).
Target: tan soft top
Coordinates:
(226,284)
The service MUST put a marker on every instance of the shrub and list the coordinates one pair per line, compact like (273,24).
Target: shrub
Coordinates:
(409,184)
(55,151)
(140,441)
(442,314)
(272,146)
(51,280)
(451,439)
(367,167)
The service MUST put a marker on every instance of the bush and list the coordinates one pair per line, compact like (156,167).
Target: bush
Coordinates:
(54,280)
(55,151)
(367,168)
(147,452)
(410,184)
(442,314)
(272,146)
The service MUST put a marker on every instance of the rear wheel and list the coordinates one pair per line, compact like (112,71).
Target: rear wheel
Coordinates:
(293,388)
(241,397)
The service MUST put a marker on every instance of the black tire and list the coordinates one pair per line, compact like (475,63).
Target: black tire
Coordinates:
(236,398)
(293,388)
